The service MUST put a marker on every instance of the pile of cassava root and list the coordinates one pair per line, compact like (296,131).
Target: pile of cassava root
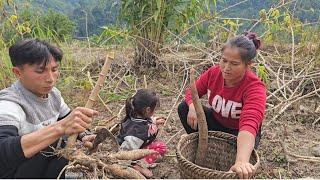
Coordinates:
(104,163)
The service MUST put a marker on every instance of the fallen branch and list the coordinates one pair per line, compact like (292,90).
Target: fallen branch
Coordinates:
(145,81)
(297,157)
(316,121)
(292,51)
(289,104)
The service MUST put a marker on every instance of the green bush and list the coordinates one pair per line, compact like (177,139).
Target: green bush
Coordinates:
(59,23)
(52,26)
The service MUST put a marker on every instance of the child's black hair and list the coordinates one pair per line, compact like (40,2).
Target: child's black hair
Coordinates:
(137,104)
(33,51)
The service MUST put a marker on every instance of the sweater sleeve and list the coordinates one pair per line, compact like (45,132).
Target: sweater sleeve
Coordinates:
(11,153)
(254,108)
(131,143)
(201,85)
(64,109)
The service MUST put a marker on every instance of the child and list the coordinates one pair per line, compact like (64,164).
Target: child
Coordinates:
(139,127)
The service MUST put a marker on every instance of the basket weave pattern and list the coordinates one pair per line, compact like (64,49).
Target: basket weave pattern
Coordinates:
(221,155)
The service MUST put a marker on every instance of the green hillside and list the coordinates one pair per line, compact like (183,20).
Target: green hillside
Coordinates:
(99,13)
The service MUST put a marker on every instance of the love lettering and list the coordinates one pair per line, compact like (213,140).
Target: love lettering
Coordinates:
(226,108)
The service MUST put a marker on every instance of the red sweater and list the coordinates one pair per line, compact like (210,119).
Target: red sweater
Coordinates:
(241,107)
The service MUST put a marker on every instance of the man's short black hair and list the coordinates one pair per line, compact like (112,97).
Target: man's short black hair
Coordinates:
(33,51)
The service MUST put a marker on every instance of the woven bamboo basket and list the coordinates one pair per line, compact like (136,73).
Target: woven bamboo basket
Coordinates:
(221,155)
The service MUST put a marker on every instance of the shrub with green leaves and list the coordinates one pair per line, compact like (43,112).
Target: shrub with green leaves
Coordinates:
(59,23)
(15,25)
(149,20)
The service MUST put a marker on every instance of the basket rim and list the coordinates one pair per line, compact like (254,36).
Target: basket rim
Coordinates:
(213,133)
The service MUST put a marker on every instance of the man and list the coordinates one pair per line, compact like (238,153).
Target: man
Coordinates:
(34,116)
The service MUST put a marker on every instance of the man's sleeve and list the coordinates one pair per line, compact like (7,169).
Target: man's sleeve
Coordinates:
(64,109)
(11,114)
(11,153)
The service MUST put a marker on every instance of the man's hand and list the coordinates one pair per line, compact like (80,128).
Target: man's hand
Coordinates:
(77,121)
(88,141)
(244,170)
(192,117)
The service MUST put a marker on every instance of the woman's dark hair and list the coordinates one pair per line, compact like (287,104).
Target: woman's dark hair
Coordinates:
(137,104)
(33,51)
(248,45)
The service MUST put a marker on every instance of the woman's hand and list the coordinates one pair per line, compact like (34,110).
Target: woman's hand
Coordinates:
(192,117)
(245,144)
(244,170)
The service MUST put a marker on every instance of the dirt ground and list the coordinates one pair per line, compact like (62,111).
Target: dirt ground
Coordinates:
(294,128)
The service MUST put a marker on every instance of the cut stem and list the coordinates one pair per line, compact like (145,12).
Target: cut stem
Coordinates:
(202,123)
(94,94)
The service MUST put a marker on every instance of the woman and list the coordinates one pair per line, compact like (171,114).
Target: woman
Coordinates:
(237,98)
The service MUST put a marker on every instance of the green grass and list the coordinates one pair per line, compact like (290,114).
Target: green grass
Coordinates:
(6,75)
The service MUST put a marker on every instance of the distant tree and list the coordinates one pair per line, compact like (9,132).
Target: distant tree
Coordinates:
(99,15)
(59,23)
(112,11)
(86,22)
